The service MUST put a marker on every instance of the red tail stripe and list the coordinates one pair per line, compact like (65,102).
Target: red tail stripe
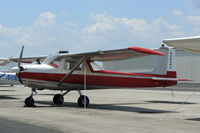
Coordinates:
(147,51)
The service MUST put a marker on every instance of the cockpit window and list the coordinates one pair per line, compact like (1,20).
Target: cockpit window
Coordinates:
(50,58)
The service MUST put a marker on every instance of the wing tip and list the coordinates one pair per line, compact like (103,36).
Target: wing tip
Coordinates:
(147,51)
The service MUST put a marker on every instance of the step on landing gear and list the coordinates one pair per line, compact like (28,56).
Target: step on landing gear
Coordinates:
(29,101)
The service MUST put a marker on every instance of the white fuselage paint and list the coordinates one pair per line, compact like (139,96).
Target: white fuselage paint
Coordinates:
(8,78)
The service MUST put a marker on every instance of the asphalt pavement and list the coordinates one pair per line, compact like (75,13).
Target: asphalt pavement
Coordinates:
(152,110)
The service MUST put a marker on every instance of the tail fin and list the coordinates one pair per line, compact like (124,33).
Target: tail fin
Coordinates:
(165,65)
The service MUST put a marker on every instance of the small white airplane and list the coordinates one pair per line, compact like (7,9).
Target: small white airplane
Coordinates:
(8,78)
(69,72)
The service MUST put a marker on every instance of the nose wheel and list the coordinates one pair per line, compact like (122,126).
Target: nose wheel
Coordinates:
(29,101)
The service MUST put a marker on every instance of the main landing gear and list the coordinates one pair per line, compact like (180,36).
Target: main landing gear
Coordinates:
(58,99)
(29,101)
(83,101)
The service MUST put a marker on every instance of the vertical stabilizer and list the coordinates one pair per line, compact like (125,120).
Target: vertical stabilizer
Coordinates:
(165,65)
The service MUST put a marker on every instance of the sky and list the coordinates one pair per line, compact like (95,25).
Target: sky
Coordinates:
(46,26)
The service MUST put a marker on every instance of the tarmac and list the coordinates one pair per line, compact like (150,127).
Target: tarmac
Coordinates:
(148,110)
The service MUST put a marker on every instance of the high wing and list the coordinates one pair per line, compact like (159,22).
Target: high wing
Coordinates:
(187,43)
(111,55)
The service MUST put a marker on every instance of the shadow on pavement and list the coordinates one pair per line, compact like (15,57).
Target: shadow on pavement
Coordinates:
(113,107)
(8,90)
(194,119)
(4,97)
(170,102)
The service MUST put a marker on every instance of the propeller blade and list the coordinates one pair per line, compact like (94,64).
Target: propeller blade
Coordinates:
(20,56)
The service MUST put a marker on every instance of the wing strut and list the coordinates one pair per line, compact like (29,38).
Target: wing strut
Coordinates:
(73,69)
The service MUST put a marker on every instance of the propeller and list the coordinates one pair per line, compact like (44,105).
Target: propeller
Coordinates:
(19,68)
(20,56)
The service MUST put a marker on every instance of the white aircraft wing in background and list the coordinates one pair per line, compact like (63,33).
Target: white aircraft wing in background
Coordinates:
(9,78)
(5,61)
(29,59)
(187,43)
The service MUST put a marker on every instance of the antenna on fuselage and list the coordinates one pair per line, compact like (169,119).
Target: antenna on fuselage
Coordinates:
(63,52)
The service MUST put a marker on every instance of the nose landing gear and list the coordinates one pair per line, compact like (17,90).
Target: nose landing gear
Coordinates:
(29,101)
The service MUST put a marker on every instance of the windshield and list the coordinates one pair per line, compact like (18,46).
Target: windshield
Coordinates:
(50,58)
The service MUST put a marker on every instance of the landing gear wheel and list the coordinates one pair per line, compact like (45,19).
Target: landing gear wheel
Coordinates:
(58,99)
(29,101)
(83,100)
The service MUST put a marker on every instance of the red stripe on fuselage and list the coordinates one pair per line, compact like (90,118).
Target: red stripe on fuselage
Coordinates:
(100,80)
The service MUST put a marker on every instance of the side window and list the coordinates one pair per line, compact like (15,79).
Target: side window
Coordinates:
(72,64)
(66,66)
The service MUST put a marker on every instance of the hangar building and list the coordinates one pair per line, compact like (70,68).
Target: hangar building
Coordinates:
(187,65)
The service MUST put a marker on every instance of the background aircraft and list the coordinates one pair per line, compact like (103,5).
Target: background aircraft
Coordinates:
(187,43)
(75,71)
(7,77)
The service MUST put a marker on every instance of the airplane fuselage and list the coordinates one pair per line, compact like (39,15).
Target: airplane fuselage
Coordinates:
(46,76)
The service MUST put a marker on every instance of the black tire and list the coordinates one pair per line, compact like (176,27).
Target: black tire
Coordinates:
(29,102)
(83,99)
(58,99)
